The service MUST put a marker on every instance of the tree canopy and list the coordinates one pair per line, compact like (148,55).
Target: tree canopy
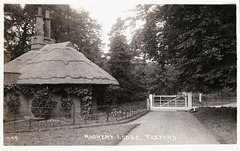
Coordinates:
(67,25)
(199,40)
(120,65)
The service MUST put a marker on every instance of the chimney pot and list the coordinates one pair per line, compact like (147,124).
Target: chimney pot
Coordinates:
(39,11)
(47,25)
(46,14)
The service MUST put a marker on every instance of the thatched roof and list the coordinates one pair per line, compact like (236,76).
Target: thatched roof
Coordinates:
(15,65)
(58,63)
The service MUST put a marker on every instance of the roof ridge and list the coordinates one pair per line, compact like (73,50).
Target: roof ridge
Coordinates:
(68,76)
(58,60)
(60,43)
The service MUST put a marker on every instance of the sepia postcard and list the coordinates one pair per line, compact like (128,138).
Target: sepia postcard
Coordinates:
(119,75)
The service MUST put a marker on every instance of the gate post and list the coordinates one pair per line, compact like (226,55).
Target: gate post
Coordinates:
(186,102)
(150,102)
(189,101)
(200,97)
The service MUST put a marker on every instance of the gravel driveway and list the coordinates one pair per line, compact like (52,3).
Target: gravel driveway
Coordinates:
(168,127)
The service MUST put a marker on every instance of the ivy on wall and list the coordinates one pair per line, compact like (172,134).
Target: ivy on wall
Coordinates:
(11,101)
(67,104)
(43,101)
(85,93)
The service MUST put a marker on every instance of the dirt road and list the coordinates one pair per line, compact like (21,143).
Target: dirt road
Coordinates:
(168,127)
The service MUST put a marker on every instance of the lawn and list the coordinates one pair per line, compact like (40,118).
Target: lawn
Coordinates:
(222,122)
(101,135)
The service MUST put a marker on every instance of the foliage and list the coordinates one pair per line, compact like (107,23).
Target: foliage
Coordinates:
(139,82)
(84,92)
(67,25)
(120,61)
(111,94)
(43,103)
(200,41)
(121,66)
(18,27)
(67,104)
(161,81)
(11,101)
(79,28)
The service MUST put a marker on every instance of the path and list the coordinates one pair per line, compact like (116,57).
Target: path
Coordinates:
(168,127)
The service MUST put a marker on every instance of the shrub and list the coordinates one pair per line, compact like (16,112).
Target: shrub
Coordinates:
(67,104)
(11,101)
(43,103)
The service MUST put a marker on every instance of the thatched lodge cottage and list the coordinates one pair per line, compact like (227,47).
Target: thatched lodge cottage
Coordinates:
(55,71)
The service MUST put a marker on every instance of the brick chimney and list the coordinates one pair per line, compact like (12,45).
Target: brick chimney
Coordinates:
(39,22)
(43,30)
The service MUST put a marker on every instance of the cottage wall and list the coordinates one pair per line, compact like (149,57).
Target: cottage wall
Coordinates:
(10,78)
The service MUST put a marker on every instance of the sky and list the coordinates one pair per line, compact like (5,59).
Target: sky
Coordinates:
(106,13)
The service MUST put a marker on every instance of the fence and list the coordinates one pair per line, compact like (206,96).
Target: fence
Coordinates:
(213,99)
(98,114)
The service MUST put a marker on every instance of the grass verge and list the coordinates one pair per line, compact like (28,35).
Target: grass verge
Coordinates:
(101,135)
(222,122)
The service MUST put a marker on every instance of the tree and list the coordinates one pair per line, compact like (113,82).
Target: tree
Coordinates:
(120,61)
(158,78)
(123,67)
(17,30)
(67,25)
(162,81)
(76,26)
(200,41)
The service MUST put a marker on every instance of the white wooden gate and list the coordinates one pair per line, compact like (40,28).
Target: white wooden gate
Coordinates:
(170,102)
